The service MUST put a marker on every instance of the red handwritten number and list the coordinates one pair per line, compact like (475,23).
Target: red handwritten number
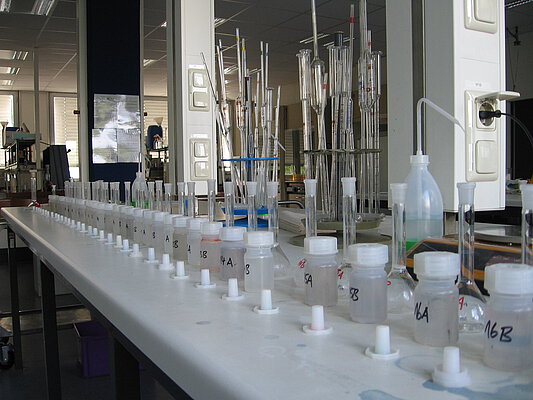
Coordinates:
(389,283)
(461,302)
(340,273)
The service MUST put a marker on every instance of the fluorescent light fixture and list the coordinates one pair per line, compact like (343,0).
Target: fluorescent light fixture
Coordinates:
(42,7)
(319,36)
(230,69)
(517,3)
(220,21)
(14,70)
(6,82)
(5,70)
(5,5)
(163,25)
(19,55)
(148,61)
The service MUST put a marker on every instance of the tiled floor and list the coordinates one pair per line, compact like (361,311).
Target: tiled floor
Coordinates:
(29,384)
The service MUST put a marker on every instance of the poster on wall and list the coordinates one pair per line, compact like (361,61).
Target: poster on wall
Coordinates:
(116,136)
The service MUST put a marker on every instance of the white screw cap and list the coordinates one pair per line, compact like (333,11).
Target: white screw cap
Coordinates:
(450,373)
(205,280)
(232,233)
(210,228)
(90,230)
(368,254)
(233,290)
(180,221)
(194,224)
(437,264)
(382,350)
(317,326)
(95,232)
(266,303)
(510,279)
(320,245)
(259,239)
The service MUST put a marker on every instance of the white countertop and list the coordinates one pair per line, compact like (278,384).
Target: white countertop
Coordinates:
(214,349)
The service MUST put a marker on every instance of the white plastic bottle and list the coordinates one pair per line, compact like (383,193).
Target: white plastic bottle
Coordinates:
(508,334)
(168,234)
(179,238)
(158,226)
(193,240)
(232,252)
(368,282)
(436,296)
(210,246)
(148,219)
(138,222)
(320,275)
(258,261)
(423,203)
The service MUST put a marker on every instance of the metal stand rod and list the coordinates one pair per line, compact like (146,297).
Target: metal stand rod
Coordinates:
(51,348)
(125,369)
(14,285)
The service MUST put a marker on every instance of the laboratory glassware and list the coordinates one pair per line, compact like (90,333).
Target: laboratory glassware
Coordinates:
(471,301)
(304,65)
(310,207)
(229,203)
(400,284)
(508,335)
(436,296)
(127,193)
(349,229)
(281,262)
(527,224)
(211,199)
(258,261)
(320,276)
(368,282)
(180,194)
(33,184)
(191,199)
(167,202)
(251,192)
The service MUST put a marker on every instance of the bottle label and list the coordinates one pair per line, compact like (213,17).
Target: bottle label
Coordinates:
(308,279)
(167,239)
(301,263)
(247,269)
(421,314)
(354,294)
(226,262)
(499,333)
(203,254)
(175,244)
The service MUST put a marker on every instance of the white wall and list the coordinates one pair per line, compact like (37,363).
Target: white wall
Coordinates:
(519,65)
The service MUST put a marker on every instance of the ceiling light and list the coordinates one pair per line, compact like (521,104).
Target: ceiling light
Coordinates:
(517,3)
(6,82)
(163,25)
(5,70)
(42,7)
(220,21)
(14,70)
(230,69)
(310,38)
(5,5)
(19,55)
(148,61)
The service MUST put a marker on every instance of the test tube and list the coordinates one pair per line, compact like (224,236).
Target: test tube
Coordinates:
(400,284)
(151,195)
(272,204)
(33,183)
(527,224)
(229,203)
(211,199)
(310,207)
(471,301)
(158,195)
(349,214)
(167,204)
(191,199)
(251,191)
(127,193)
(181,197)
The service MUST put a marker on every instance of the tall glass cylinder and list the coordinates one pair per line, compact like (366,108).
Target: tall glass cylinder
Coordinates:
(180,194)
(229,203)
(191,199)
(527,224)
(272,204)
(471,301)
(158,204)
(167,202)
(127,193)
(151,195)
(211,199)
(400,284)
(33,183)
(251,192)
(349,214)
(310,207)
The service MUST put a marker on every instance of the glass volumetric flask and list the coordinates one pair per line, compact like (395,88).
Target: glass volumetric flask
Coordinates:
(400,284)
(471,300)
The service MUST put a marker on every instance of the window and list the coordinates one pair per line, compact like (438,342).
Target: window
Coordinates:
(66,129)
(156,107)
(7,113)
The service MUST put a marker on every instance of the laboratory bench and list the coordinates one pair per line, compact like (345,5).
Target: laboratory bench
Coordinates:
(198,345)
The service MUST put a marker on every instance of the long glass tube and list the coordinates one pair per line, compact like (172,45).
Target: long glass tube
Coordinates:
(33,183)
(158,204)
(304,64)
(151,195)
(349,214)
(310,207)
(251,192)
(127,193)
(272,204)
(211,199)
(167,203)
(471,301)
(191,200)
(181,197)
(527,224)
(229,203)
(400,284)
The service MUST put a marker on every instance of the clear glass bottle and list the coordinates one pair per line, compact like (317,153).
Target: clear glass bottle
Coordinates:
(179,238)
(349,231)
(251,192)
(471,301)
(232,252)
(400,284)
(193,240)
(320,276)
(210,246)
(527,224)
(258,261)
(508,334)
(229,203)
(368,282)
(436,296)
